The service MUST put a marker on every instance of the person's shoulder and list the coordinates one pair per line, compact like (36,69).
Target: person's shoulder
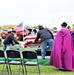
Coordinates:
(72,31)
(11,35)
(48,29)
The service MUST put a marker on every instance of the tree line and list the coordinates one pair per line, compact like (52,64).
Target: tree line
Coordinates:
(9,26)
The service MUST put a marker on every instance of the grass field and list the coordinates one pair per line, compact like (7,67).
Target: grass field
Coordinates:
(44,70)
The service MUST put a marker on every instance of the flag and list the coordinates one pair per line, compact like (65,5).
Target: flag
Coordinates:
(20,28)
(20,25)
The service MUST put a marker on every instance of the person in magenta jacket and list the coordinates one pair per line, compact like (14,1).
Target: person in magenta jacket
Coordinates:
(62,51)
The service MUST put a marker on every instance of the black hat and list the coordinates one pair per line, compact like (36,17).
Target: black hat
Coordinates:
(64,24)
(40,27)
(13,31)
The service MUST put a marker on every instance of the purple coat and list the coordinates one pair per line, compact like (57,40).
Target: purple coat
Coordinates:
(61,55)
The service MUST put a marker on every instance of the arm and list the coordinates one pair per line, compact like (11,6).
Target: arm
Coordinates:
(13,39)
(16,41)
(12,43)
(38,36)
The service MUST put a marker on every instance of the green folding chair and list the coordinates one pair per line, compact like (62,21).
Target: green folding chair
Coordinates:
(28,56)
(14,58)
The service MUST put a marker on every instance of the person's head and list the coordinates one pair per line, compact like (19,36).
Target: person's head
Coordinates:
(69,28)
(12,28)
(40,27)
(64,25)
(13,31)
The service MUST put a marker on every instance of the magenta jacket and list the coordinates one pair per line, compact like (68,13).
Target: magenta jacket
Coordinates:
(62,52)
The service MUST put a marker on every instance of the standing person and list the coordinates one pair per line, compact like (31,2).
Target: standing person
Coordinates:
(9,40)
(69,28)
(46,39)
(72,34)
(61,55)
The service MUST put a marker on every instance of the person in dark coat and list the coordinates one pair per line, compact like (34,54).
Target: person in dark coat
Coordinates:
(9,40)
(47,39)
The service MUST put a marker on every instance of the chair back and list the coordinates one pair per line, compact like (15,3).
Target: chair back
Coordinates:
(2,53)
(29,54)
(13,54)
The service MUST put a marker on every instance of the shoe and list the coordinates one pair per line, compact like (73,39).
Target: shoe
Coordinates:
(64,70)
(60,69)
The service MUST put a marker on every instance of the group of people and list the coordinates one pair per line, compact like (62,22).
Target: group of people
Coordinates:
(62,47)
(62,54)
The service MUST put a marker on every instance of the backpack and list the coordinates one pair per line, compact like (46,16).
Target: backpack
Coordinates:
(72,34)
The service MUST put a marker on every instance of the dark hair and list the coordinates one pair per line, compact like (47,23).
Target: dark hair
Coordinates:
(64,24)
(68,27)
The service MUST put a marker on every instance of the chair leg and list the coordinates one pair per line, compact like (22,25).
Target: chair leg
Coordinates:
(38,69)
(10,69)
(7,68)
(19,69)
(25,70)
(5,65)
(3,69)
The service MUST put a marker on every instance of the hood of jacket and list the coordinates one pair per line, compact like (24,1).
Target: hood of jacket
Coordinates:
(63,32)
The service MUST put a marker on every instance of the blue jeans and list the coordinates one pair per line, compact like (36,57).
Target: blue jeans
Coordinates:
(5,46)
(44,44)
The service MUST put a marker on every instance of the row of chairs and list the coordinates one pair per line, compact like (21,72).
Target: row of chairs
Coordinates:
(23,59)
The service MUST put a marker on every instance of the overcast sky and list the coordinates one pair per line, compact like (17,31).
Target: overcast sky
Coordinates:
(35,12)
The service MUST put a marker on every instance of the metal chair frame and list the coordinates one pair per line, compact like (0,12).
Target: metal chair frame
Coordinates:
(14,58)
(3,61)
(30,54)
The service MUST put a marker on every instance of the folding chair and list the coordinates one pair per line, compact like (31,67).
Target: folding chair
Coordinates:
(3,61)
(27,56)
(14,58)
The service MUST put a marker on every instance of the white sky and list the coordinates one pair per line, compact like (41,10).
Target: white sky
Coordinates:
(35,12)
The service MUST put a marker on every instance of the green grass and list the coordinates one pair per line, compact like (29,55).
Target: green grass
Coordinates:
(45,70)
